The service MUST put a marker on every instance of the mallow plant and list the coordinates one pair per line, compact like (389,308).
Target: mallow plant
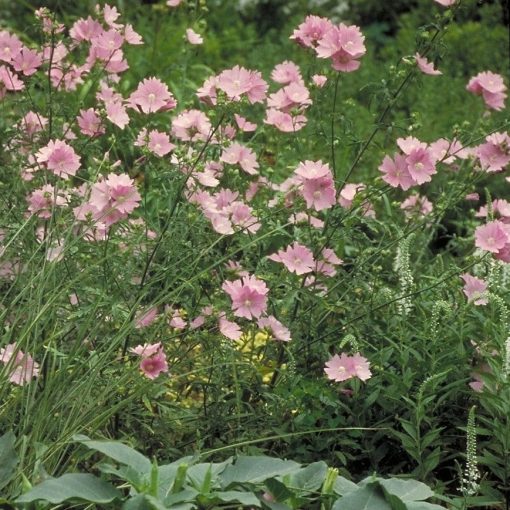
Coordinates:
(195,267)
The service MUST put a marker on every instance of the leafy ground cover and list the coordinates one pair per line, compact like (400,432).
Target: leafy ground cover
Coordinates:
(228,244)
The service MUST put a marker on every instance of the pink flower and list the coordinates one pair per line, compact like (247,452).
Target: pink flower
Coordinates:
(152,95)
(344,45)
(90,123)
(27,61)
(193,37)
(237,153)
(114,197)
(319,193)
(319,80)
(275,327)
(344,367)
(10,46)
(173,3)
(191,125)
(494,154)
(445,3)
(21,368)
(145,318)
(491,237)
(243,124)
(396,172)
(153,360)
(491,87)
(425,66)
(229,329)
(154,365)
(283,121)
(475,289)
(286,72)
(294,95)
(239,81)
(42,201)
(420,165)
(416,204)
(249,296)
(60,158)
(311,31)
(296,258)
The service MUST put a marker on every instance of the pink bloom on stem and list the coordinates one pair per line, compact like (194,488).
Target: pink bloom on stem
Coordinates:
(151,96)
(239,81)
(283,121)
(60,158)
(115,197)
(396,172)
(193,37)
(445,3)
(344,45)
(191,125)
(491,87)
(275,327)
(425,66)
(154,365)
(145,318)
(345,367)
(286,72)
(243,124)
(319,80)
(42,201)
(229,329)
(90,122)
(248,295)
(21,368)
(311,31)
(237,153)
(27,61)
(416,204)
(475,289)
(319,193)
(494,154)
(296,258)
(420,165)
(491,237)
(173,3)
(10,46)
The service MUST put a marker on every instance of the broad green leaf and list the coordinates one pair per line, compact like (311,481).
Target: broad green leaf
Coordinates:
(256,469)
(368,497)
(72,486)
(342,486)
(406,490)
(245,498)
(8,458)
(119,452)
(309,478)
(422,505)
(184,496)
(278,489)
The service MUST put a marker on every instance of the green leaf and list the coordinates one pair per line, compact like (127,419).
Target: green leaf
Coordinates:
(119,452)
(406,490)
(72,486)
(143,502)
(245,498)
(368,497)
(422,505)
(309,478)
(256,469)
(278,489)
(8,458)
(342,486)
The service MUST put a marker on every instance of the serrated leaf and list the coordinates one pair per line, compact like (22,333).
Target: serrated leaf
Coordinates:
(72,486)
